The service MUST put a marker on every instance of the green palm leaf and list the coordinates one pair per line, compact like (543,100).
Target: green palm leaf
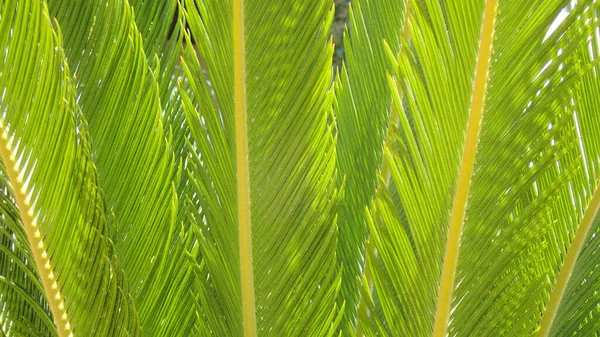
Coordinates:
(362,110)
(182,168)
(508,210)
(25,309)
(120,99)
(48,175)
(163,50)
(576,309)
(262,167)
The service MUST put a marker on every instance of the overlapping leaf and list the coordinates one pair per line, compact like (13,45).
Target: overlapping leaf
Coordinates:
(578,311)
(291,166)
(120,99)
(60,229)
(362,110)
(527,194)
(25,310)
(111,170)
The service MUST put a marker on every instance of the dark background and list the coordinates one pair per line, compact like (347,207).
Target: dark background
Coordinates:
(337,30)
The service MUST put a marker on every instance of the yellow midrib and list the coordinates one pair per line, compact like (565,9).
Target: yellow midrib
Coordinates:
(243,176)
(56,301)
(444,303)
(569,264)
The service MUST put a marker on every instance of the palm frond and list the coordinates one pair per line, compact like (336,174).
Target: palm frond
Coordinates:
(120,99)
(153,20)
(362,110)
(424,188)
(573,305)
(180,167)
(518,217)
(159,23)
(290,169)
(60,230)
(25,310)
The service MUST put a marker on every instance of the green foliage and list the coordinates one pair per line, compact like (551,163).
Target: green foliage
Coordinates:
(121,154)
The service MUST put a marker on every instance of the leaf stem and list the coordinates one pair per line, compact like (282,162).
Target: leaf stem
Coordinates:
(443,307)
(569,264)
(38,249)
(243,176)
